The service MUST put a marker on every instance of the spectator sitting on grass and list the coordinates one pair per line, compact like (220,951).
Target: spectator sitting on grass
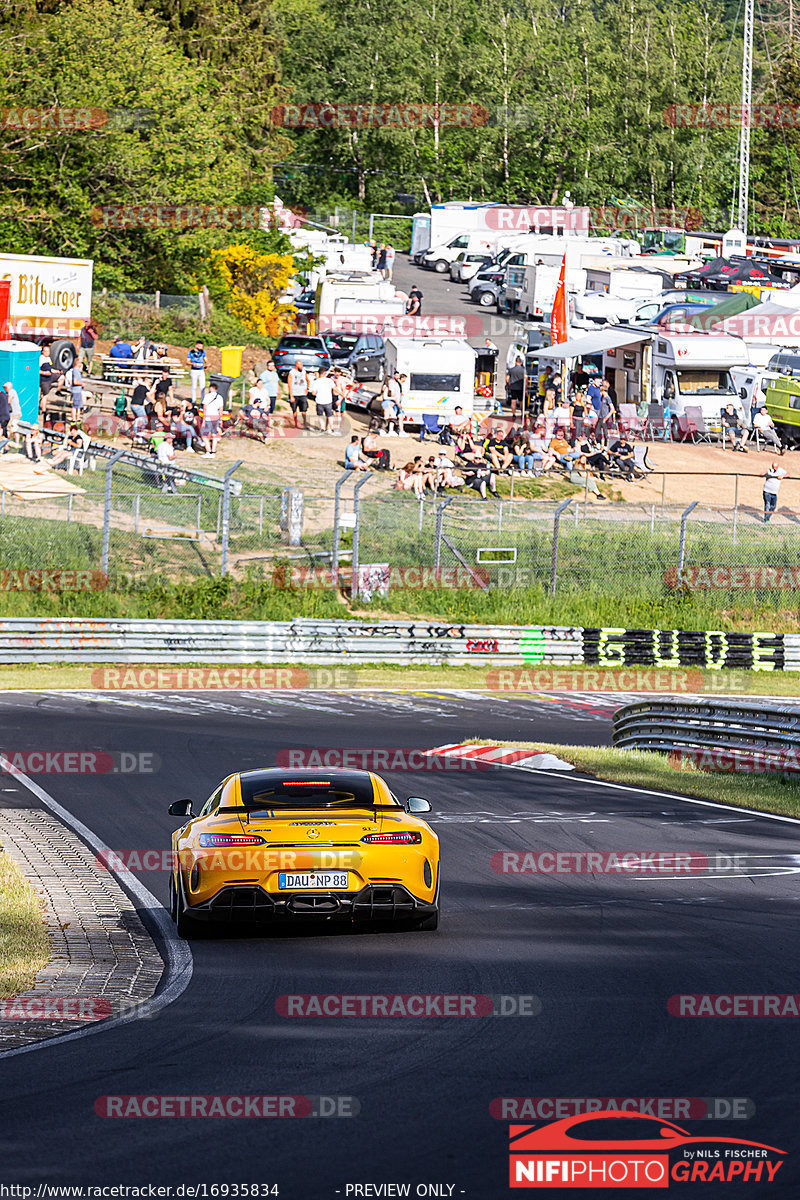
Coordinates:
(354,460)
(540,444)
(478,474)
(497,452)
(413,477)
(580,473)
(445,472)
(524,456)
(371,449)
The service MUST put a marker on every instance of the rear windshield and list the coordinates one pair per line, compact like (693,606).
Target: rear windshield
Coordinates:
(319,793)
(340,341)
(299,343)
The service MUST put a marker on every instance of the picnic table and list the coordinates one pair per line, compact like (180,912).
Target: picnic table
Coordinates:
(114,368)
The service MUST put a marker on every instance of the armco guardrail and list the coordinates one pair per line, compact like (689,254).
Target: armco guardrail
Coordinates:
(28,639)
(705,725)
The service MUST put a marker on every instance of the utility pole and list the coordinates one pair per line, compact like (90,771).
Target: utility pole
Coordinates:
(744,132)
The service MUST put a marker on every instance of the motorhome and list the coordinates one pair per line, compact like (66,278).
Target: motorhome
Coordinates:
(678,370)
(440,375)
(349,287)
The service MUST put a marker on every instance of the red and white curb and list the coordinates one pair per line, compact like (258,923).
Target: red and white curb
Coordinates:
(506,756)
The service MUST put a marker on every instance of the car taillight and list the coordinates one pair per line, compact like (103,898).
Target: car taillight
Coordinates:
(228,839)
(407,838)
(320,354)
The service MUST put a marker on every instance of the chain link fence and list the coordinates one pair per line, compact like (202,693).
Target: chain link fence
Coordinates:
(136,524)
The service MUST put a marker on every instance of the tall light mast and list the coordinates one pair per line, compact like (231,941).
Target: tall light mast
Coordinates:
(744,133)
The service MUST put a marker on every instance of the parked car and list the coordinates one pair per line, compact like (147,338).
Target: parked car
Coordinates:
(485,287)
(362,353)
(466,264)
(311,351)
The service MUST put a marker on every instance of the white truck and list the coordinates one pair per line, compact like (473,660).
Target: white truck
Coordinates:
(440,257)
(613,293)
(50,300)
(440,375)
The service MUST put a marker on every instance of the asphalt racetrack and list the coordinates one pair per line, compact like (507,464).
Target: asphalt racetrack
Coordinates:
(601,952)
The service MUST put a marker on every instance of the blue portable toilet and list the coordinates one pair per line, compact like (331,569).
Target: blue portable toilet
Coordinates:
(19,363)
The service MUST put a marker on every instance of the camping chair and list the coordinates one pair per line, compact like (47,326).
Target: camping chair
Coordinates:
(630,424)
(686,428)
(700,432)
(658,423)
(79,458)
(431,424)
(640,458)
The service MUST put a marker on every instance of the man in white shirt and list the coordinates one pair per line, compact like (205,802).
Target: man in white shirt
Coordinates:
(165,454)
(212,415)
(323,396)
(298,392)
(445,473)
(765,425)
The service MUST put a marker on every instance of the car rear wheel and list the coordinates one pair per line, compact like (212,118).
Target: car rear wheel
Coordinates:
(187,927)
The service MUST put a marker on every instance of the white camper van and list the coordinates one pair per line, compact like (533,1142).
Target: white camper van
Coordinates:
(440,375)
(685,370)
(335,291)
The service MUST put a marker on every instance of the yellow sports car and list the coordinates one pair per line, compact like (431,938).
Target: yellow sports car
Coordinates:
(300,844)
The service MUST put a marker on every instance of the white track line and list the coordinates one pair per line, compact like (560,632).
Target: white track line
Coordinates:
(178,963)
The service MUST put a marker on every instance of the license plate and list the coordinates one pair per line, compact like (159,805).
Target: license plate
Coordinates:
(328,881)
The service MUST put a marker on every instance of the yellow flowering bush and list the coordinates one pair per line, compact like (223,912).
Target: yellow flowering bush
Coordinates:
(252,283)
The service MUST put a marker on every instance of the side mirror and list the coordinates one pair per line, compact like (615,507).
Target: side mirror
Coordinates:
(417,804)
(180,808)
(742,393)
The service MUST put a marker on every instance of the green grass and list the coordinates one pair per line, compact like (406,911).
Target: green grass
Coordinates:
(24,944)
(638,768)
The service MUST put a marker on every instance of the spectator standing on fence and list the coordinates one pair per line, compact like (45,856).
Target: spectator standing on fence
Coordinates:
(88,337)
(213,405)
(198,363)
(270,381)
(772,483)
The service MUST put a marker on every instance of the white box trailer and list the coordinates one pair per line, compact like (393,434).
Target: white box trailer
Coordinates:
(440,375)
(50,300)
(530,286)
(613,293)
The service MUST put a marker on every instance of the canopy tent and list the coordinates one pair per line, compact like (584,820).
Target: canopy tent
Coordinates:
(593,343)
(731,306)
(769,322)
